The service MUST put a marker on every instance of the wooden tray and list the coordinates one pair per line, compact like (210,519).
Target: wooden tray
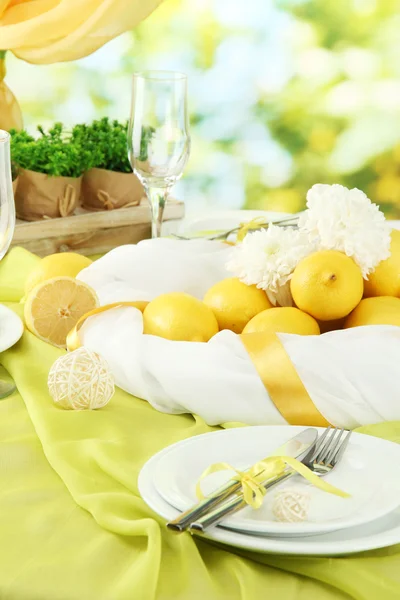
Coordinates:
(92,233)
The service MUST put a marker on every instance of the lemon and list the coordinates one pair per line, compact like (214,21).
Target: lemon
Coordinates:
(283,320)
(54,307)
(327,285)
(180,317)
(385,280)
(383,310)
(66,264)
(234,303)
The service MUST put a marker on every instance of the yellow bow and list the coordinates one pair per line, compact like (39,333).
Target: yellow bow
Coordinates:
(252,480)
(73,340)
(253,225)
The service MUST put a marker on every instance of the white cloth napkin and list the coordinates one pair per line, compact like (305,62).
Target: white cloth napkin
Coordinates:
(351,375)
(154,267)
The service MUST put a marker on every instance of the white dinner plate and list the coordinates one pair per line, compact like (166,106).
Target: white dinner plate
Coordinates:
(225,220)
(11,328)
(181,465)
(377,534)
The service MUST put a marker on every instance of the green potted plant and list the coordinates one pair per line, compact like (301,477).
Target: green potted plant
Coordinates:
(50,169)
(110,183)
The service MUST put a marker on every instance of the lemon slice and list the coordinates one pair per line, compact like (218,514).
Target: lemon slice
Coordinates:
(54,307)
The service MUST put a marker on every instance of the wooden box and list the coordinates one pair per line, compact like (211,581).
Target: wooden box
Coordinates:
(91,233)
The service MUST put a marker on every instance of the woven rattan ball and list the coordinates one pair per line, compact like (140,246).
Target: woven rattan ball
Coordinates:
(291,505)
(81,380)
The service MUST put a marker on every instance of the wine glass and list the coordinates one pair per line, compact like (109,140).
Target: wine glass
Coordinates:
(7,221)
(158,139)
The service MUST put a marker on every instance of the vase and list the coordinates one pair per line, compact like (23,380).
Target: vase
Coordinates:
(10,112)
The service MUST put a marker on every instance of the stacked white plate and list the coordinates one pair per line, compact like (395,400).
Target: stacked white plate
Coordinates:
(369,519)
(11,328)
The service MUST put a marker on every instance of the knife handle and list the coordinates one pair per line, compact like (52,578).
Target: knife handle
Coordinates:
(232,506)
(182,522)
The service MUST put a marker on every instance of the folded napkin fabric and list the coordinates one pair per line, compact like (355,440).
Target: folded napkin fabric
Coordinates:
(349,375)
(153,267)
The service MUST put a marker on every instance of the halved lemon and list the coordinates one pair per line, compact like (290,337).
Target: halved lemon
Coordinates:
(64,264)
(54,307)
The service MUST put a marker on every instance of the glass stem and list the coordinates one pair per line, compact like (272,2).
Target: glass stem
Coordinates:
(157,197)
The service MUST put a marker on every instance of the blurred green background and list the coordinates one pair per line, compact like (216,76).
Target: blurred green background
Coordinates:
(283,94)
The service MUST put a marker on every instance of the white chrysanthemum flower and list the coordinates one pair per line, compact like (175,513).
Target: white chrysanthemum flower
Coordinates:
(346,220)
(267,258)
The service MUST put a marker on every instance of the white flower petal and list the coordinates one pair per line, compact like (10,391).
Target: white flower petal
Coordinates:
(268,257)
(346,220)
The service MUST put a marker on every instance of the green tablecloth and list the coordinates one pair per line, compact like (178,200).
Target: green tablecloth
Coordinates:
(73,526)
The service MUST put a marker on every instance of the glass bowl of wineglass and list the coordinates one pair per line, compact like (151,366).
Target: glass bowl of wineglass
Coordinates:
(158,138)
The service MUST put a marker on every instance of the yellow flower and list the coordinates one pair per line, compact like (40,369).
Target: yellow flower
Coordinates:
(50,31)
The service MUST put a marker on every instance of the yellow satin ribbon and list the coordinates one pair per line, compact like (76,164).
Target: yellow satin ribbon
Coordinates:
(73,340)
(253,225)
(281,380)
(251,481)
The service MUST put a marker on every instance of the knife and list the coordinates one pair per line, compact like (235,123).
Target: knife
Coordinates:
(296,447)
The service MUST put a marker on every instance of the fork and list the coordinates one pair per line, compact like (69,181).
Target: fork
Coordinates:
(322,459)
(223,235)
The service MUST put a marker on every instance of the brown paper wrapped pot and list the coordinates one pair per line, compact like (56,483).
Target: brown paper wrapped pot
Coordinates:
(107,190)
(39,196)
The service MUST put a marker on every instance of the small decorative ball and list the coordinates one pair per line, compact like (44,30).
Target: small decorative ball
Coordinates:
(81,380)
(291,505)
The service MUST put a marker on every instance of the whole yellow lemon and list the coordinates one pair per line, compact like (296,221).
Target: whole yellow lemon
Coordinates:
(234,303)
(65,264)
(385,280)
(327,285)
(180,317)
(382,310)
(283,320)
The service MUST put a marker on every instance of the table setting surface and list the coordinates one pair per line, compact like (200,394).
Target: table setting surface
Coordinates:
(199,401)
(71,507)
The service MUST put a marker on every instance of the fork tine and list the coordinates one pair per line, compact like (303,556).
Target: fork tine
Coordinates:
(326,448)
(340,451)
(321,440)
(336,444)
